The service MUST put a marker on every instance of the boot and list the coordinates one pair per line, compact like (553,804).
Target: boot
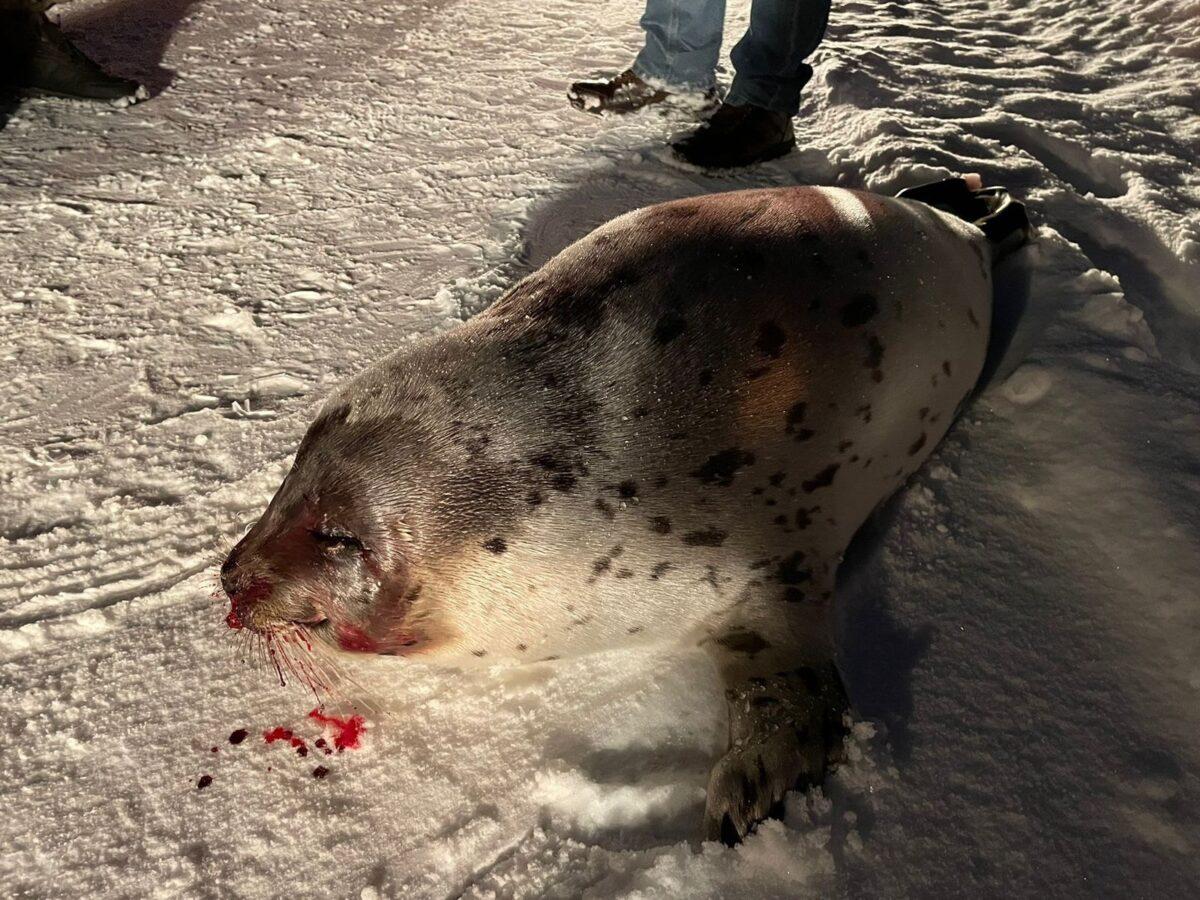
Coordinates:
(627,92)
(737,136)
(36,54)
(624,93)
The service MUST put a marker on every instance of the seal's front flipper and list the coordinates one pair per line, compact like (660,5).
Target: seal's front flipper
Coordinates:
(1000,217)
(785,730)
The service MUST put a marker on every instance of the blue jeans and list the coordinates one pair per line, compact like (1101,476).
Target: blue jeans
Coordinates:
(683,42)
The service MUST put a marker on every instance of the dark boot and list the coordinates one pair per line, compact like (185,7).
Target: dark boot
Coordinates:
(627,92)
(737,136)
(622,93)
(37,55)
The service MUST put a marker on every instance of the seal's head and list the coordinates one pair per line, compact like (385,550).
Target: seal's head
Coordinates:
(333,554)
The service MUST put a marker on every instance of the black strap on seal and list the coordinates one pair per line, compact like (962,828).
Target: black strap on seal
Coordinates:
(1000,217)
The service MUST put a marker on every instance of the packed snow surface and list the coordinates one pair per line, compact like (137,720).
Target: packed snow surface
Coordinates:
(316,183)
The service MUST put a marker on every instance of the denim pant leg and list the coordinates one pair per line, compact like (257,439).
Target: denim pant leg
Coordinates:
(683,42)
(769,59)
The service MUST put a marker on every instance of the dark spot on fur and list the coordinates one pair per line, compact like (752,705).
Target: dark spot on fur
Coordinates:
(669,327)
(795,415)
(877,376)
(946,366)
(706,377)
(661,481)
(771,339)
(522,647)
(708,538)
(803,520)
(935,417)
(824,478)
(780,520)
(793,595)
(874,353)
(641,412)
(804,434)
(601,565)
(971,316)
(564,482)
(636,629)
(479,653)
(917,445)
(844,446)
(759,564)
(660,525)
(659,570)
(625,573)
(777,479)
(757,372)
(865,412)
(859,311)
(496,545)
(922,413)
(758,491)
(791,570)
(606,508)
(535,498)
(720,468)
(743,641)
(627,490)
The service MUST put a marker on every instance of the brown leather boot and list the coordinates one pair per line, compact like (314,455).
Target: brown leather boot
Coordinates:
(737,136)
(36,55)
(624,93)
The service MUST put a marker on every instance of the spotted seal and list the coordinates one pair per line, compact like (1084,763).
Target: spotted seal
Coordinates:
(670,432)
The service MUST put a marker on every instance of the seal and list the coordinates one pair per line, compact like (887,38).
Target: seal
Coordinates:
(670,432)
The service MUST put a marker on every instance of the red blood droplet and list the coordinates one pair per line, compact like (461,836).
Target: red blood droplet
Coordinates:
(320,772)
(205,781)
(286,734)
(238,736)
(347,731)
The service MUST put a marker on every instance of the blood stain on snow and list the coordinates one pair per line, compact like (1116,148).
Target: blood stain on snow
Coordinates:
(238,736)
(348,730)
(205,781)
(215,750)
(320,772)
(286,734)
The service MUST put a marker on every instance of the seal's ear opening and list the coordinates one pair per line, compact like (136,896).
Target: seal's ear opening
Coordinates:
(1000,217)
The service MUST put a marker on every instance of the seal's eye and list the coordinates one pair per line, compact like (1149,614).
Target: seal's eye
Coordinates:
(337,541)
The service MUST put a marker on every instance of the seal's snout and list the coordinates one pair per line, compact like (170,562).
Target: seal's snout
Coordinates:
(243,593)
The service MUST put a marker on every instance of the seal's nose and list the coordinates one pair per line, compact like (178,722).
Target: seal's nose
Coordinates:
(229,574)
(243,590)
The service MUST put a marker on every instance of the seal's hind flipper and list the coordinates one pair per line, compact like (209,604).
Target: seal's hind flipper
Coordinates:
(1000,217)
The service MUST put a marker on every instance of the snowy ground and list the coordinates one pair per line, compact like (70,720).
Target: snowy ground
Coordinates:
(316,182)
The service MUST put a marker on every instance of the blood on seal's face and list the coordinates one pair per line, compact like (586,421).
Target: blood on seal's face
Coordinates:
(328,555)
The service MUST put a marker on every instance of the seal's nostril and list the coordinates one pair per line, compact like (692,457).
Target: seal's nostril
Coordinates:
(228,571)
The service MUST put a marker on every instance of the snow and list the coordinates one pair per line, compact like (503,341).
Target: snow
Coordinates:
(314,184)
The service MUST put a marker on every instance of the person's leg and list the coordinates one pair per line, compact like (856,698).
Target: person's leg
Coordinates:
(769,59)
(35,54)
(683,43)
